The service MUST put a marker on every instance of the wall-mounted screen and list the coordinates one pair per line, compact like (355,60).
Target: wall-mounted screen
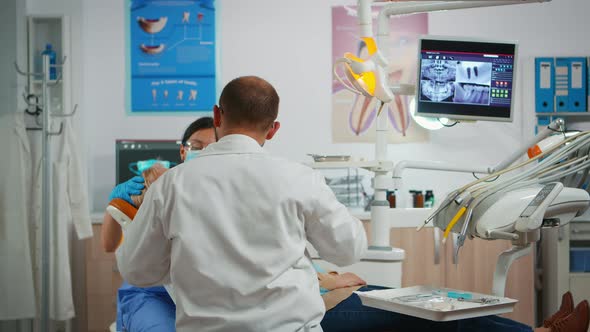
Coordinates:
(466,79)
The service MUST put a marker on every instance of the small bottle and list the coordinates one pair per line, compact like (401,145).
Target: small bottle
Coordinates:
(391,198)
(429,199)
(419,199)
(52,57)
(412,199)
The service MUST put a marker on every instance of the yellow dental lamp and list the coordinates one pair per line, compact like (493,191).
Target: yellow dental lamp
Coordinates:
(366,76)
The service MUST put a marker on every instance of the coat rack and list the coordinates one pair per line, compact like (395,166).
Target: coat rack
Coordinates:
(44,108)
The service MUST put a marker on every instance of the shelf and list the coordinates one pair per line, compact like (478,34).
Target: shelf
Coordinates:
(580,274)
(49,82)
(371,255)
(402,217)
(351,164)
(558,114)
(388,255)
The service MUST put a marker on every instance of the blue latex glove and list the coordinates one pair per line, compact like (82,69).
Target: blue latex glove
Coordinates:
(126,189)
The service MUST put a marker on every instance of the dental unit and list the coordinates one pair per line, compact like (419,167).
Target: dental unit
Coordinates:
(518,200)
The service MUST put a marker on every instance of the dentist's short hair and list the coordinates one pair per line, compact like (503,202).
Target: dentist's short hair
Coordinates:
(249,102)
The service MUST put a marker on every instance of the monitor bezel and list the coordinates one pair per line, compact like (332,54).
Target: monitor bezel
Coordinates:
(459,117)
(147,140)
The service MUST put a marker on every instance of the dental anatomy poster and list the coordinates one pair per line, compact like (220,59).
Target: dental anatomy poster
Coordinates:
(171,55)
(354,116)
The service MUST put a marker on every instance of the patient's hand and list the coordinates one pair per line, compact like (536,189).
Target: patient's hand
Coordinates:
(333,280)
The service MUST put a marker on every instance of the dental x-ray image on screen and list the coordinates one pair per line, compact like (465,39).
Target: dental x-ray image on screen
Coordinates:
(463,79)
(473,82)
(438,80)
(465,82)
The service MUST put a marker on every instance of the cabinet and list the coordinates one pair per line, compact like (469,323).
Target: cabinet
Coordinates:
(557,273)
(474,271)
(102,282)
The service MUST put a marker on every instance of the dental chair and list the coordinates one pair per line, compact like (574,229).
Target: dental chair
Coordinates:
(500,217)
(514,204)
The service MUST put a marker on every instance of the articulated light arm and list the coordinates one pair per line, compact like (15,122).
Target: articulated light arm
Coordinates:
(417,6)
(403,7)
(557,125)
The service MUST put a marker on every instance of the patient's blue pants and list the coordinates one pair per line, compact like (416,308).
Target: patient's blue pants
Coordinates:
(145,309)
(351,315)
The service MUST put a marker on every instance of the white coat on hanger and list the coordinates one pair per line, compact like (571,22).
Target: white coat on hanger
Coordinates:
(69,206)
(17,297)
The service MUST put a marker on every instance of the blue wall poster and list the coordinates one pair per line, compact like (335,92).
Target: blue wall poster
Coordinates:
(172,55)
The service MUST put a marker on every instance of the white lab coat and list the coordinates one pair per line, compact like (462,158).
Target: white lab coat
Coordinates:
(69,206)
(229,230)
(17,300)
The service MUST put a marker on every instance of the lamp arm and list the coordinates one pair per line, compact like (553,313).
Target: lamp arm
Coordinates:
(435,165)
(365,18)
(556,125)
(421,6)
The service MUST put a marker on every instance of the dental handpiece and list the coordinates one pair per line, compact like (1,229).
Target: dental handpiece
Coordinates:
(450,198)
(463,234)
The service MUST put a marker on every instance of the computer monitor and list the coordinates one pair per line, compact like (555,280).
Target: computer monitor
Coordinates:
(463,79)
(133,153)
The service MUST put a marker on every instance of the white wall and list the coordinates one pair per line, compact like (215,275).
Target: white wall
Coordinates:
(287,42)
(13,36)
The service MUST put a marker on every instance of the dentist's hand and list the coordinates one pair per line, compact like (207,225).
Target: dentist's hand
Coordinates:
(126,189)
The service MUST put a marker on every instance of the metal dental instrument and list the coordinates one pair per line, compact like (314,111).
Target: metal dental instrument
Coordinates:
(446,202)
(463,234)
(483,300)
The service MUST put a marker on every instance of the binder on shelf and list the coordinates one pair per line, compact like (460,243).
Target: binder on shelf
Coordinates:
(577,85)
(588,84)
(545,85)
(562,78)
(543,120)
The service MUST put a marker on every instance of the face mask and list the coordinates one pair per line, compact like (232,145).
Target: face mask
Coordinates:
(191,154)
(138,167)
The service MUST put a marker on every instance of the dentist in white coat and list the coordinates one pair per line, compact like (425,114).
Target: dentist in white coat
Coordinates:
(229,228)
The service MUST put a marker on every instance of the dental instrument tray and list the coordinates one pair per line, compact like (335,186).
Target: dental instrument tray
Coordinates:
(437,304)
(323,158)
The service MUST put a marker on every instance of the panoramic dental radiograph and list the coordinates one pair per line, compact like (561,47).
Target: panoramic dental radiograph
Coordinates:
(438,78)
(465,82)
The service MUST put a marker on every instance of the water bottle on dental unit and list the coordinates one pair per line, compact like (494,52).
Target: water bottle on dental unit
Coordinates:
(52,57)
